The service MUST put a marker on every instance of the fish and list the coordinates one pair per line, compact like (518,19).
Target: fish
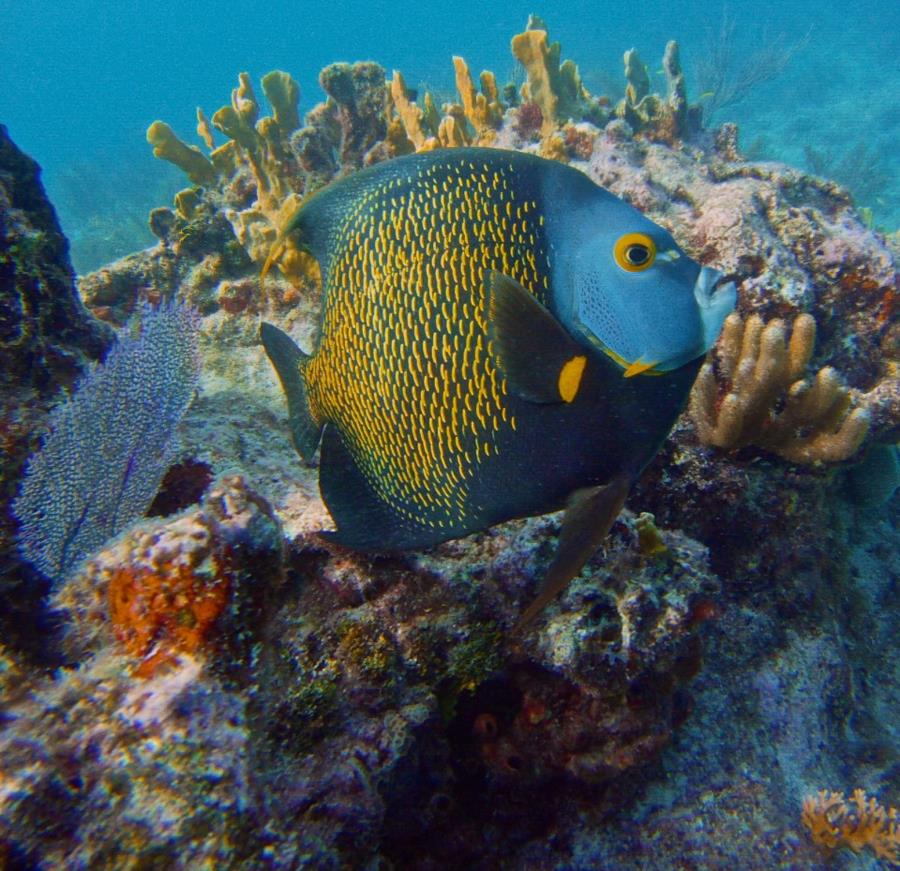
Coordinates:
(499,337)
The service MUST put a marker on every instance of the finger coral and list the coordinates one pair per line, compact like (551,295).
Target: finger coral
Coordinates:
(552,95)
(167,146)
(753,393)
(482,110)
(665,119)
(474,121)
(417,126)
(859,822)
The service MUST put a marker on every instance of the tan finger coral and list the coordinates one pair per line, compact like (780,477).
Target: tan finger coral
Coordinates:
(474,121)
(418,124)
(257,148)
(754,393)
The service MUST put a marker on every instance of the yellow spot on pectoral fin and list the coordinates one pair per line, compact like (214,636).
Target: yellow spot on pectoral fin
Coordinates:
(637,367)
(570,377)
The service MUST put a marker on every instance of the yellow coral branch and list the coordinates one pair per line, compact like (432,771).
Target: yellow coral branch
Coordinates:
(415,122)
(483,111)
(861,822)
(167,146)
(204,131)
(541,62)
(283,94)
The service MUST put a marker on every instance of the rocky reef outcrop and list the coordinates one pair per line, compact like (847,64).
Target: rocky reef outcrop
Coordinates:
(47,337)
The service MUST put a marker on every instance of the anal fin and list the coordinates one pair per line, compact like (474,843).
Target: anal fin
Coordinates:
(363,520)
(289,361)
(589,516)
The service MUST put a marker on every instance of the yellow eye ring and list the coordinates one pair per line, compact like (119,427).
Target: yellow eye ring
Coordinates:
(634,252)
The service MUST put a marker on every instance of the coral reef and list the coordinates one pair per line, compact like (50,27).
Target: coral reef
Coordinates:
(237,692)
(345,132)
(167,146)
(374,684)
(161,589)
(664,119)
(472,122)
(255,172)
(152,743)
(167,610)
(555,89)
(764,372)
(113,778)
(483,111)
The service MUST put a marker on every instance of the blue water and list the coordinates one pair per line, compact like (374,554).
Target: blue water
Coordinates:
(81,81)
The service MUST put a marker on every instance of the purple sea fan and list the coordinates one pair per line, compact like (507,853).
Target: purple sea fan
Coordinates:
(109,444)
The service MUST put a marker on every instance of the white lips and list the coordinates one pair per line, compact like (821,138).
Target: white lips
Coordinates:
(715,301)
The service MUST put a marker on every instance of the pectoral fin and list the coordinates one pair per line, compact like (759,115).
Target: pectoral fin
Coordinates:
(589,517)
(541,362)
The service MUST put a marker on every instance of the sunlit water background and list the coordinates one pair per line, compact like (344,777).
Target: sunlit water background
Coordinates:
(81,81)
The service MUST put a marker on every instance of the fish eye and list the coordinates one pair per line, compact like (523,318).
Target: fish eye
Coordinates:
(634,252)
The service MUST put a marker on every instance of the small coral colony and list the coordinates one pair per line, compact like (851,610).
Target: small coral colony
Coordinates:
(479,311)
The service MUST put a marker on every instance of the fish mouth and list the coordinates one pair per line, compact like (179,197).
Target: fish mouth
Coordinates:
(716,296)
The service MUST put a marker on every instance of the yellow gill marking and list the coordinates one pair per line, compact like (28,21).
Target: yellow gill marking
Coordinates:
(403,365)
(637,367)
(570,377)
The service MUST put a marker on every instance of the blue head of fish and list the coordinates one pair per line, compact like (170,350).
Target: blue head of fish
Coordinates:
(632,292)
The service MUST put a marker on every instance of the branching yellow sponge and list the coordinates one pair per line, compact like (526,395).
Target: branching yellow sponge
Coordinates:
(189,158)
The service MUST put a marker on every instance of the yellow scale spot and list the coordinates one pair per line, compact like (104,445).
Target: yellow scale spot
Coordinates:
(404,365)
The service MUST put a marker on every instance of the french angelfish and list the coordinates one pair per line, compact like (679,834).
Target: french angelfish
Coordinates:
(500,337)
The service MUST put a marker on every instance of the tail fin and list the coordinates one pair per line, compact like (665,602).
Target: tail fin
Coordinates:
(289,362)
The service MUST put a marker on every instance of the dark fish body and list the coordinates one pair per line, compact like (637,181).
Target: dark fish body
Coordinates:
(457,382)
